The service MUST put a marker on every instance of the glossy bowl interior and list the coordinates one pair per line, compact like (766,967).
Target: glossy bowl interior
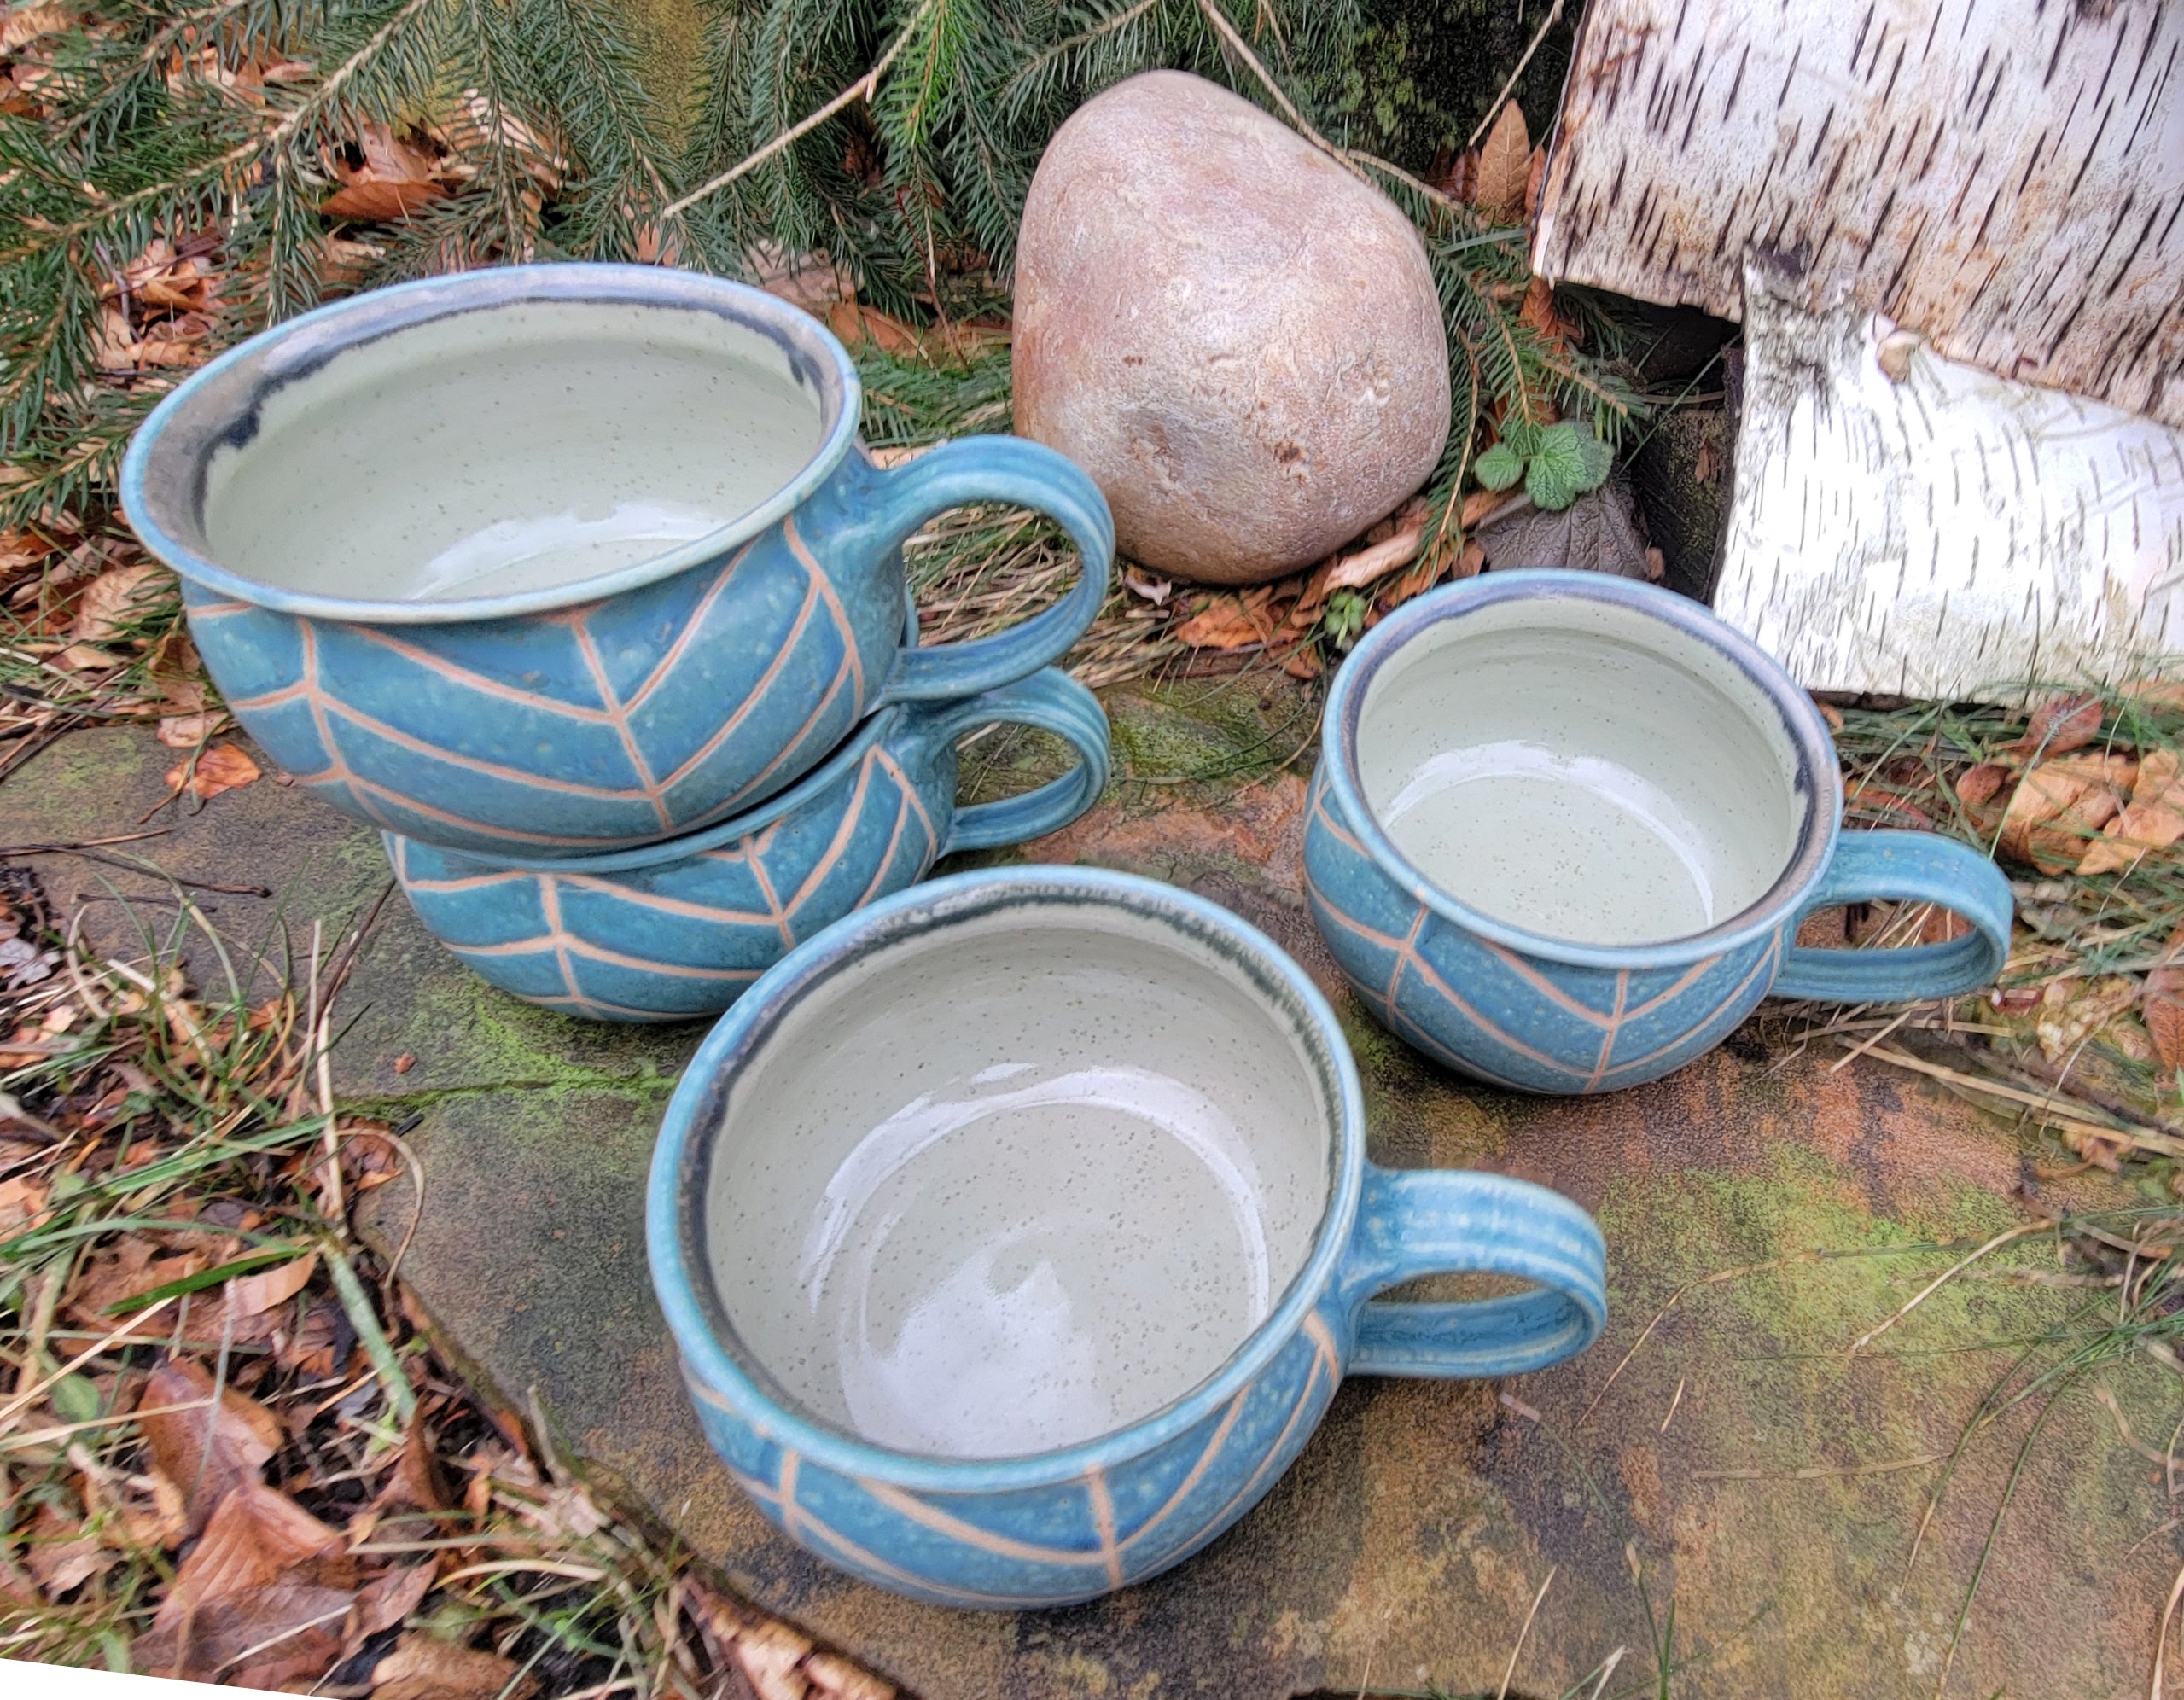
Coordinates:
(1007,1185)
(1582,769)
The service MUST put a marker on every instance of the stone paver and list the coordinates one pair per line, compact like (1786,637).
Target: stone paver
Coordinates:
(1761,1480)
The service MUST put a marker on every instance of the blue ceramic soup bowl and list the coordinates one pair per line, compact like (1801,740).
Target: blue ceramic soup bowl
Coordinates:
(1016,1231)
(683,928)
(1565,827)
(554,559)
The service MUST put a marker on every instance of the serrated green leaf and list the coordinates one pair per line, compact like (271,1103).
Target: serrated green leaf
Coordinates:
(1499,467)
(1595,457)
(1523,437)
(1568,462)
(1549,483)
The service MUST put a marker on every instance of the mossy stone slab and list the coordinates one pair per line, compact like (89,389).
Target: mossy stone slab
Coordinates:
(1760,1479)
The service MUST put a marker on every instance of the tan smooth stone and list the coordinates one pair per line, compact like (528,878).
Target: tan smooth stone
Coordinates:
(1239,340)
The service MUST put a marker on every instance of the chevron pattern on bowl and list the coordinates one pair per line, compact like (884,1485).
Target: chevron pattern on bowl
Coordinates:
(1494,1013)
(573,729)
(1057,1543)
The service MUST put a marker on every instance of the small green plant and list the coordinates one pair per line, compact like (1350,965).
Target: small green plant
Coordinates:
(1558,462)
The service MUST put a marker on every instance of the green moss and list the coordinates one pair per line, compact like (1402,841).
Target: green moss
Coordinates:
(1224,732)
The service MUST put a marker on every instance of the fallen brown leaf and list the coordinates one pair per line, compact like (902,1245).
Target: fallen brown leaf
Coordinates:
(855,324)
(1977,785)
(129,1271)
(250,1295)
(2095,1147)
(2059,725)
(390,1599)
(23,1204)
(118,598)
(1505,163)
(394,180)
(1535,179)
(187,731)
(423,1666)
(2152,820)
(1223,624)
(207,1454)
(2157,693)
(415,1481)
(769,1653)
(60,1560)
(2162,1004)
(264,1596)
(2072,1010)
(1376,561)
(223,768)
(2059,805)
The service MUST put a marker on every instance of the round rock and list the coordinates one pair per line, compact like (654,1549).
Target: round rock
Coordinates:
(1239,340)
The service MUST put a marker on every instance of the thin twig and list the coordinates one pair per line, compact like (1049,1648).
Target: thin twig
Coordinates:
(1228,33)
(1509,1669)
(1554,12)
(1948,1274)
(864,88)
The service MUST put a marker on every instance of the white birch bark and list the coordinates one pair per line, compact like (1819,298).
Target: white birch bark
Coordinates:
(2006,176)
(1904,523)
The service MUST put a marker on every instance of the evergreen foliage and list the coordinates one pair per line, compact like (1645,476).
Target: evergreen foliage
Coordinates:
(232,123)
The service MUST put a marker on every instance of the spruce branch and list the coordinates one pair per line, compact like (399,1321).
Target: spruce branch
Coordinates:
(862,88)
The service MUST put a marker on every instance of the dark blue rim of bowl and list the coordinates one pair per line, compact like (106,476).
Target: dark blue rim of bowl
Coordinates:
(676,1192)
(1816,780)
(163,474)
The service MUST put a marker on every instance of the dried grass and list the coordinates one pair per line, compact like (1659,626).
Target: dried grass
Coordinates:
(229,1448)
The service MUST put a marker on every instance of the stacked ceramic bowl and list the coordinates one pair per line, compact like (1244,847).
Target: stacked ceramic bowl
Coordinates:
(576,581)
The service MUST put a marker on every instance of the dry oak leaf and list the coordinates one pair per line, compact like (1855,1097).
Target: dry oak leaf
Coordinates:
(2072,1010)
(769,1653)
(60,1560)
(1505,164)
(223,768)
(2061,804)
(2163,1005)
(2156,693)
(207,1454)
(388,1599)
(854,323)
(1975,785)
(394,180)
(252,1294)
(117,599)
(187,731)
(264,1596)
(423,1666)
(2059,725)
(1224,623)
(2152,820)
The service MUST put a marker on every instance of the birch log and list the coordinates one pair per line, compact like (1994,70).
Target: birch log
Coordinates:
(2007,176)
(1904,523)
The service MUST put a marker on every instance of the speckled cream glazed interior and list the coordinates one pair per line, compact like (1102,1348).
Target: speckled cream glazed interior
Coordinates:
(1008,1184)
(1581,770)
(508,449)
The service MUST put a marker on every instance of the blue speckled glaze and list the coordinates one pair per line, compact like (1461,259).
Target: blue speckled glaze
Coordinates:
(1052,1529)
(682,928)
(1549,1015)
(638,704)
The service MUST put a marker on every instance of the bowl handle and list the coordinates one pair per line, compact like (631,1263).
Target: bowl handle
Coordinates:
(1053,703)
(1916,867)
(1028,476)
(1413,1222)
